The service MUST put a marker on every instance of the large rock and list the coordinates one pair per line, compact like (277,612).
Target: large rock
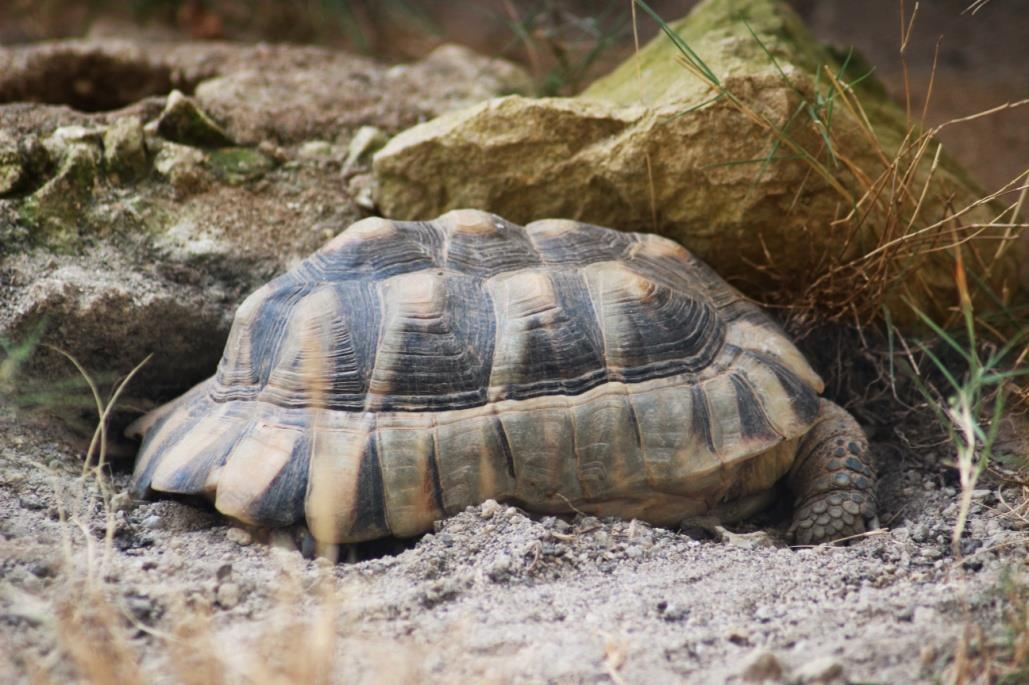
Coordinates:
(145,189)
(655,147)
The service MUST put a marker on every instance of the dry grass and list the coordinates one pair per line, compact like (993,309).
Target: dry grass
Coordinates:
(885,189)
(99,640)
(887,237)
(300,638)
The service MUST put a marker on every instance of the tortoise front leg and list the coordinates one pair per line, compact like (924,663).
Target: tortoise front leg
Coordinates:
(832,480)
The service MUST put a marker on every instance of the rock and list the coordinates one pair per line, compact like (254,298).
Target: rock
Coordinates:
(236,165)
(12,172)
(461,76)
(663,153)
(500,566)
(316,150)
(672,612)
(182,121)
(153,522)
(129,242)
(759,539)
(121,501)
(125,155)
(985,496)
(329,95)
(57,208)
(489,508)
(32,503)
(110,315)
(823,669)
(761,666)
(365,142)
(362,188)
(228,595)
(184,167)
(239,536)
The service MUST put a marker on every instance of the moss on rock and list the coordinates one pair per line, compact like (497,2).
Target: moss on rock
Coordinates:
(182,121)
(240,164)
(735,165)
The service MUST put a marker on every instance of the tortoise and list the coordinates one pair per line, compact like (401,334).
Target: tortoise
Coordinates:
(408,370)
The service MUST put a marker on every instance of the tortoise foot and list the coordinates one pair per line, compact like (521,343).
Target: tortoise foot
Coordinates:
(833,481)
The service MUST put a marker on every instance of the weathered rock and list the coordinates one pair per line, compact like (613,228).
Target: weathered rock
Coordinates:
(137,230)
(731,165)
(125,155)
(91,303)
(236,165)
(12,170)
(183,166)
(365,142)
(331,98)
(819,671)
(761,666)
(228,595)
(56,209)
(182,121)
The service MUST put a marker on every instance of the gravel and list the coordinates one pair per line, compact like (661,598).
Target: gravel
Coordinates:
(500,595)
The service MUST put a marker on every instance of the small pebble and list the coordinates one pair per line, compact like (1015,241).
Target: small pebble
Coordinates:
(925,615)
(489,508)
(761,666)
(671,612)
(228,595)
(121,501)
(738,636)
(152,522)
(821,670)
(239,536)
(500,567)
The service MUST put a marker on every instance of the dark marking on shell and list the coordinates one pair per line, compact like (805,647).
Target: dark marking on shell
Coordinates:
(437,487)
(701,419)
(283,502)
(754,424)
(370,505)
(505,447)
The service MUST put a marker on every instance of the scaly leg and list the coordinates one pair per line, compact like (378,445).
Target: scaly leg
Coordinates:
(832,480)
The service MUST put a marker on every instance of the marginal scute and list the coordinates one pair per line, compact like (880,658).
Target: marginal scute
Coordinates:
(408,370)
(251,468)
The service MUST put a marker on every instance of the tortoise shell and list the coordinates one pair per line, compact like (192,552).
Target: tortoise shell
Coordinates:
(409,369)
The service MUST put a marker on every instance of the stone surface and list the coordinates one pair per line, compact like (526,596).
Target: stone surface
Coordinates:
(498,598)
(125,154)
(135,216)
(819,671)
(762,666)
(653,147)
(182,121)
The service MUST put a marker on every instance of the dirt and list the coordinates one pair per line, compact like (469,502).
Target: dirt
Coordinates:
(495,594)
(180,595)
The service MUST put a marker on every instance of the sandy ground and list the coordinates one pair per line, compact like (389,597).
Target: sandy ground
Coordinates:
(494,595)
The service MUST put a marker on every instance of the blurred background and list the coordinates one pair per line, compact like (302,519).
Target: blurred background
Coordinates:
(982,48)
